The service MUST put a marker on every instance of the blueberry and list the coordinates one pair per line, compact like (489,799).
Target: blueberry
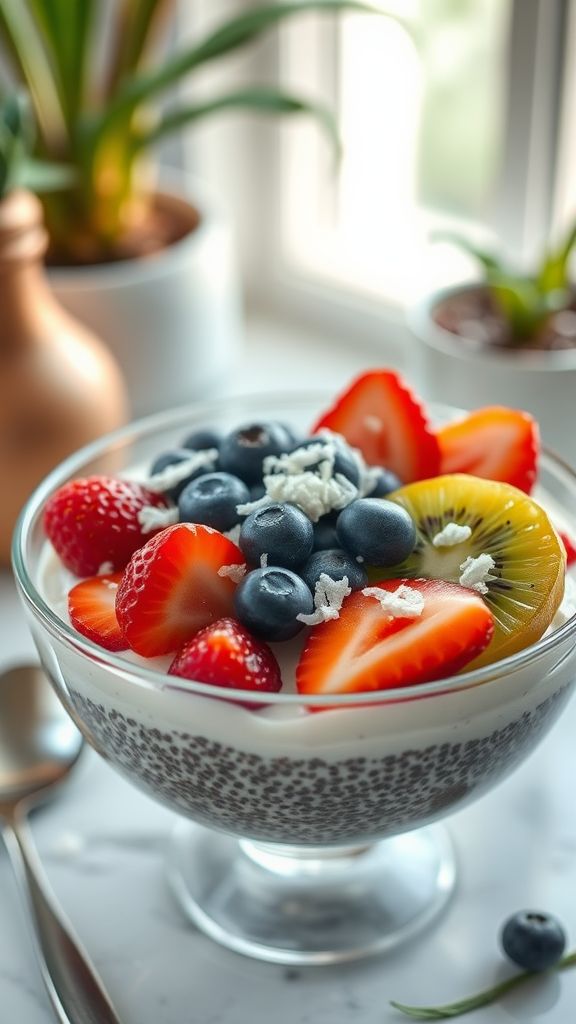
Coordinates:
(173,458)
(212,500)
(199,440)
(385,483)
(267,602)
(335,564)
(376,530)
(294,435)
(325,533)
(533,940)
(344,461)
(279,530)
(243,451)
(257,491)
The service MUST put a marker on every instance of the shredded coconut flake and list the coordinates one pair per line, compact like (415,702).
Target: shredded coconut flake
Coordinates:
(306,477)
(234,572)
(173,475)
(328,597)
(404,602)
(368,475)
(105,569)
(476,572)
(152,518)
(264,560)
(321,455)
(233,534)
(314,495)
(245,510)
(451,535)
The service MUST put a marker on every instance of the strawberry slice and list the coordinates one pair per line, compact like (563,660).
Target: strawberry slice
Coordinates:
(496,443)
(91,606)
(369,648)
(381,416)
(180,581)
(226,654)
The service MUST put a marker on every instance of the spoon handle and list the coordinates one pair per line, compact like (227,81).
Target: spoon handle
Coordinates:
(74,988)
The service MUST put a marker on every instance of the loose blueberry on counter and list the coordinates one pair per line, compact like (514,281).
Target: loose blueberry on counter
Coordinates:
(336,564)
(384,484)
(325,532)
(243,451)
(280,531)
(268,600)
(344,460)
(173,458)
(378,531)
(533,940)
(199,440)
(212,500)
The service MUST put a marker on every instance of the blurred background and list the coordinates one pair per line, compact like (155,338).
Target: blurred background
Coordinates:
(240,195)
(458,117)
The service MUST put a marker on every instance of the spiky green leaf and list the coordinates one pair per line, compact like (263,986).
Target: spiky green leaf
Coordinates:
(26,46)
(66,29)
(233,34)
(553,274)
(136,25)
(488,260)
(42,176)
(258,98)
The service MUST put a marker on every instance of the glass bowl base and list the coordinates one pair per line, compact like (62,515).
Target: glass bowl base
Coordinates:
(303,905)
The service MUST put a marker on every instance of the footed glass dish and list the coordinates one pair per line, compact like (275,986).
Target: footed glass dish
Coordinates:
(308,828)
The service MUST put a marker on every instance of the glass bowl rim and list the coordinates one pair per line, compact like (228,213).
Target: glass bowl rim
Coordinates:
(156,679)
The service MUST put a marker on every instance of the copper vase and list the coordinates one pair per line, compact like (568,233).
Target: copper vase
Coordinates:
(59,385)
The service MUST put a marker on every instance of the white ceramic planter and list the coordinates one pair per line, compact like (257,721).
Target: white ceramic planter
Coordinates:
(173,319)
(447,370)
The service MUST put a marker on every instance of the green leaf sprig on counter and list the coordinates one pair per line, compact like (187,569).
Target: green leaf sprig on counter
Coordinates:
(485,998)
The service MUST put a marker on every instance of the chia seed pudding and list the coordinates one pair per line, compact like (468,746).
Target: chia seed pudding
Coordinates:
(281,774)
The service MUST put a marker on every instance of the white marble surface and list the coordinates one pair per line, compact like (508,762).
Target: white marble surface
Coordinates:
(102,844)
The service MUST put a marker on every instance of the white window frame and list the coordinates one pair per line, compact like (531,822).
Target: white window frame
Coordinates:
(533,189)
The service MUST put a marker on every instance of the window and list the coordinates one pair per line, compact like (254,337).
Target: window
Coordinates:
(449,117)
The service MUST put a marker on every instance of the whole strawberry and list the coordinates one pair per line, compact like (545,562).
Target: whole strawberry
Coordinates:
(93,522)
(225,654)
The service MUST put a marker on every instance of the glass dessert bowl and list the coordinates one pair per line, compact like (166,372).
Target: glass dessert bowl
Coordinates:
(308,828)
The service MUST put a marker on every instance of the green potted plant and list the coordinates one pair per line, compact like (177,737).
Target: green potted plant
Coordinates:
(151,270)
(508,339)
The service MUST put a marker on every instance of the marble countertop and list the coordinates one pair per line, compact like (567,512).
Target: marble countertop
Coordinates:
(102,844)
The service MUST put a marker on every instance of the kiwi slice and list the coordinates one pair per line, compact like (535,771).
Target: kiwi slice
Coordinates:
(526,584)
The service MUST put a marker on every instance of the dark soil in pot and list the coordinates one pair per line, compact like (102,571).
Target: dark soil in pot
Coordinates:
(473,315)
(165,221)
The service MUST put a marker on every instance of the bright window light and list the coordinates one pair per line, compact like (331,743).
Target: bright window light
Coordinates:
(422,104)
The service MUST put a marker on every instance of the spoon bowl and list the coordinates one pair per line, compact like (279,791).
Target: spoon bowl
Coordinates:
(39,744)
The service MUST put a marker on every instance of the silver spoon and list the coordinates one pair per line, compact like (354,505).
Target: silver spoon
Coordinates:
(39,746)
